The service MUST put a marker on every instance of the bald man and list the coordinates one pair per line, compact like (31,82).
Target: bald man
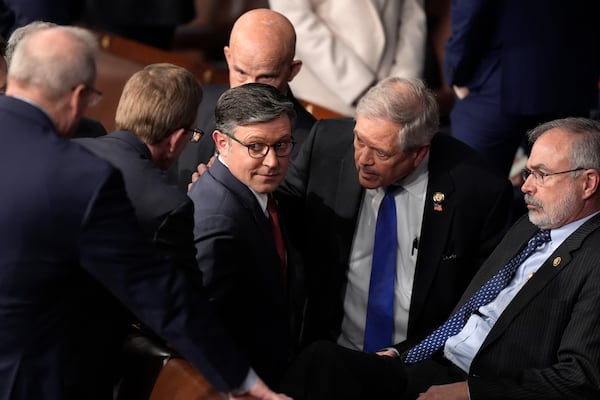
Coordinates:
(262,46)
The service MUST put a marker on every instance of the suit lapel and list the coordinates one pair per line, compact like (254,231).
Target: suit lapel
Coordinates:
(349,194)
(558,261)
(244,195)
(437,219)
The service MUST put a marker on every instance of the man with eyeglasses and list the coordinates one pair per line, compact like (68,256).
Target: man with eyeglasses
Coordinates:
(157,108)
(261,48)
(69,233)
(87,127)
(239,236)
(536,335)
(154,119)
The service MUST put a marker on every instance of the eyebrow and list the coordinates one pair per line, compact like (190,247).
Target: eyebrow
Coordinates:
(371,147)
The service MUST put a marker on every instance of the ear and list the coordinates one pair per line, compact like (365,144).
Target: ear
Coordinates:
(295,67)
(227,53)
(73,106)
(420,154)
(592,180)
(221,141)
(77,98)
(174,138)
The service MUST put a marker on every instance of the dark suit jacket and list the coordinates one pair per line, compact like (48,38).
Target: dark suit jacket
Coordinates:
(165,213)
(515,40)
(166,216)
(202,151)
(89,127)
(69,225)
(242,272)
(453,242)
(546,344)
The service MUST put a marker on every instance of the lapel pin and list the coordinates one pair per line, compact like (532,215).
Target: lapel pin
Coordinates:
(556,261)
(438,199)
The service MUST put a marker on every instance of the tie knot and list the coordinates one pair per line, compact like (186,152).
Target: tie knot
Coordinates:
(541,237)
(389,190)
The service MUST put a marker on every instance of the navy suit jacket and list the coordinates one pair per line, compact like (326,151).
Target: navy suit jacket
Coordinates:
(68,225)
(546,343)
(242,272)
(202,151)
(323,192)
(165,213)
(545,53)
(89,128)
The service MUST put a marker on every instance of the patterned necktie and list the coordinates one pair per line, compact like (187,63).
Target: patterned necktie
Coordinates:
(486,293)
(274,219)
(379,326)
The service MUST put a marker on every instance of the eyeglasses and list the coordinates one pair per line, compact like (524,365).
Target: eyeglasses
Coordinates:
(95,95)
(260,150)
(196,134)
(538,176)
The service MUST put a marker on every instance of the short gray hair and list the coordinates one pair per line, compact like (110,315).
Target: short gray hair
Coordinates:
(55,69)
(406,102)
(22,31)
(250,104)
(585,148)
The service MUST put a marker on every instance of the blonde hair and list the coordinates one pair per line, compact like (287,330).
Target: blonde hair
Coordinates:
(158,100)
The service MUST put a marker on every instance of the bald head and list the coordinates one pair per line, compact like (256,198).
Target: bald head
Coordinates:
(272,31)
(261,48)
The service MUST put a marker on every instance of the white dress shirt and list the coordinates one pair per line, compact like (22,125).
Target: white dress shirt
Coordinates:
(410,202)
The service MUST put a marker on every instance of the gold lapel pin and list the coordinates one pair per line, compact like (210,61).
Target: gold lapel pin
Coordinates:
(556,261)
(438,199)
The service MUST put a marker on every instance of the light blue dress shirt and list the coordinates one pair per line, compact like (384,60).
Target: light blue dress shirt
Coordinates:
(462,347)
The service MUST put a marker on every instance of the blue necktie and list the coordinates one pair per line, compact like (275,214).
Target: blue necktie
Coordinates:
(486,293)
(379,327)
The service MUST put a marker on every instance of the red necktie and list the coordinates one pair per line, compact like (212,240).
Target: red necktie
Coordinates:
(274,218)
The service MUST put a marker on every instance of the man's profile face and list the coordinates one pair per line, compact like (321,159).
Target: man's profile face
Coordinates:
(377,154)
(555,200)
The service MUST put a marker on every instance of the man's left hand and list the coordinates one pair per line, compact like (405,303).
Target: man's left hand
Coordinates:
(452,391)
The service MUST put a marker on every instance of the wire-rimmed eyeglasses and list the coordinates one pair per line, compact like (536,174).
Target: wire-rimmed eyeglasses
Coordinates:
(260,150)
(539,176)
(196,134)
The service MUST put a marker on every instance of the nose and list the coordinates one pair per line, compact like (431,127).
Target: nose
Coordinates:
(528,186)
(365,156)
(271,158)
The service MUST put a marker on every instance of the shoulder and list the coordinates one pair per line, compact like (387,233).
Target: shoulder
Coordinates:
(343,127)
(449,153)
(89,128)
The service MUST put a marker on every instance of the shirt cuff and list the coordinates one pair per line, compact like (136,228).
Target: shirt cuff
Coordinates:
(247,384)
